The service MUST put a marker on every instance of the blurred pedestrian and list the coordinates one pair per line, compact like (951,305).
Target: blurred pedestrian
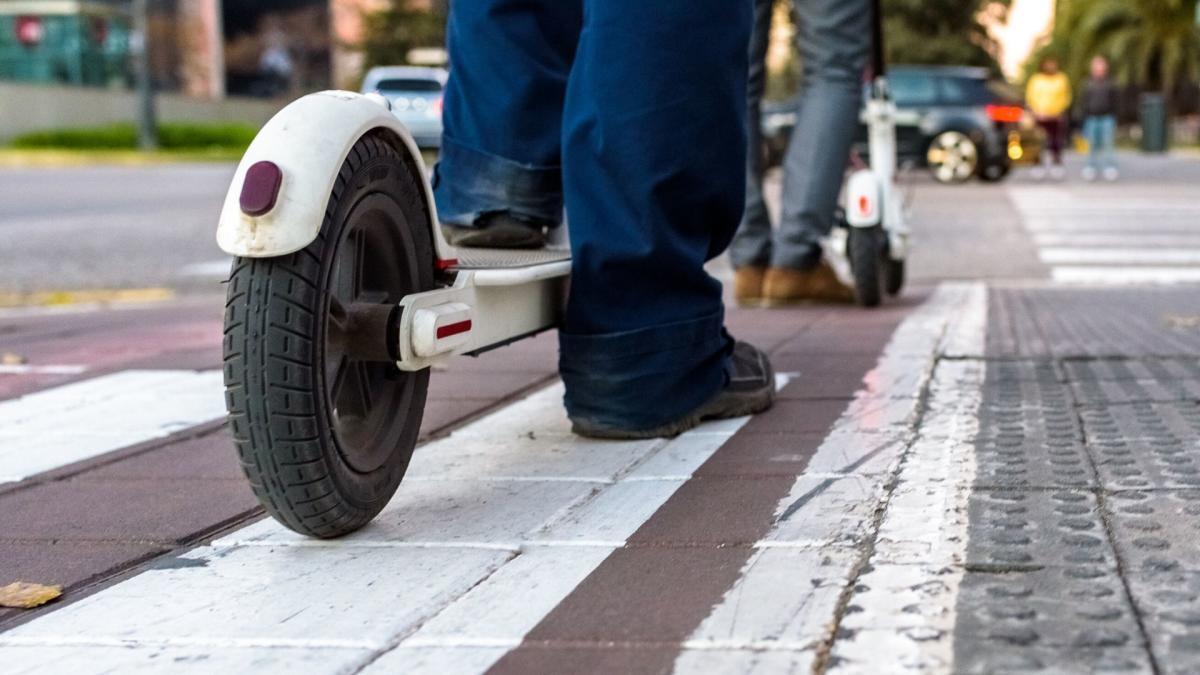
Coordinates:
(788,265)
(1048,96)
(593,105)
(1100,101)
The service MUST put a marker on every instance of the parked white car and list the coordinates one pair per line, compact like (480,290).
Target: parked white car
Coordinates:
(416,96)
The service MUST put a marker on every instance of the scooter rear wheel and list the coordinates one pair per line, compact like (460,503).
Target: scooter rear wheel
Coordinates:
(864,248)
(324,422)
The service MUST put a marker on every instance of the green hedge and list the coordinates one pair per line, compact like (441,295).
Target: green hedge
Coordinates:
(172,136)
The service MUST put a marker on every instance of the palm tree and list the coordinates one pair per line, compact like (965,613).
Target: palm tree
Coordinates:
(1151,43)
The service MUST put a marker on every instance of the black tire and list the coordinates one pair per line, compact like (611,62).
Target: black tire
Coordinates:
(865,250)
(994,173)
(893,276)
(323,435)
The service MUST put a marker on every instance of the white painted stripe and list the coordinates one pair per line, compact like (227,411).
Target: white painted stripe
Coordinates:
(905,602)
(1125,275)
(790,588)
(216,269)
(1119,256)
(461,560)
(74,422)
(1083,225)
(1132,239)
(28,369)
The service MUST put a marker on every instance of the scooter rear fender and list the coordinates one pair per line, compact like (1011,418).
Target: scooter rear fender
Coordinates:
(864,199)
(308,141)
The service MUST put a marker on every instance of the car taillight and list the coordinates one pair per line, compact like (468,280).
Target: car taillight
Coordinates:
(1007,114)
(437,105)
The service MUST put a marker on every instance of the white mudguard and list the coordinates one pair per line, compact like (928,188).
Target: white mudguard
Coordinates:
(308,140)
(864,199)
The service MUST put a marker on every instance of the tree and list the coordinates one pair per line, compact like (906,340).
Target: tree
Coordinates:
(941,32)
(1153,44)
(392,33)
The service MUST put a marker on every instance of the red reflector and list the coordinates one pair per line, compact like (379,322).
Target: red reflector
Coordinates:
(452,329)
(1010,114)
(864,205)
(260,189)
(443,265)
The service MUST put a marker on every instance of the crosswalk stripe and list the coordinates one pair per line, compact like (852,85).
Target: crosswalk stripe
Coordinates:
(1122,256)
(469,551)
(1125,275)
(1112,237)
(52,428)
(1118,239)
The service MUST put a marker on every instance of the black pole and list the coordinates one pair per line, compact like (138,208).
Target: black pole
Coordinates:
(878,62)
(140,46)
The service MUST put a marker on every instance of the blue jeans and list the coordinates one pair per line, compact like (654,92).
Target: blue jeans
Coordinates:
(1101,132)
(592,106)
(834,40)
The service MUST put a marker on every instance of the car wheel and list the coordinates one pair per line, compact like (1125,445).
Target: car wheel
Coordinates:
(953,157)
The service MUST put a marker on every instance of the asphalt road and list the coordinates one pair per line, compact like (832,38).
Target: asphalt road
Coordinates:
(148,227)
(110,227)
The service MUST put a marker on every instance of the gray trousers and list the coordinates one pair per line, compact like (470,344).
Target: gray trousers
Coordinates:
(834,40)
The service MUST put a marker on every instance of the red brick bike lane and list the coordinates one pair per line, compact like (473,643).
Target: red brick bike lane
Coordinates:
(89,524)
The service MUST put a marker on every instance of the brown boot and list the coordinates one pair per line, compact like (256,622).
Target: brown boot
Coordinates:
(785,286)
(748,285)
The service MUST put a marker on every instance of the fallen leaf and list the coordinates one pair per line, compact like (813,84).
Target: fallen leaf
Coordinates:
(11,359)
(1180,321)
(21,595)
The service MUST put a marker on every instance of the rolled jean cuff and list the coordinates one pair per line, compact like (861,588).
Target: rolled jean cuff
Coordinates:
(468,183)
(645,378)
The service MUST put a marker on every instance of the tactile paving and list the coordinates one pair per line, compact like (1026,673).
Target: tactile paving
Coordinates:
(1097,323)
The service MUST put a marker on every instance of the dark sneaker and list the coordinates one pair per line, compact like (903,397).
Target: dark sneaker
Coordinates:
(496,230)
(750,390)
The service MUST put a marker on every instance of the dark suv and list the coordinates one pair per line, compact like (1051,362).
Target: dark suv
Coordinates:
(954,120)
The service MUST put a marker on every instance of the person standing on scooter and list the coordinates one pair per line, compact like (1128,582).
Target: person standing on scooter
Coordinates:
(591,105)
(787,265)
(1048,95)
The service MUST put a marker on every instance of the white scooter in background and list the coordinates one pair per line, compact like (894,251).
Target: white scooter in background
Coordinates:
(876,242)
(343,294)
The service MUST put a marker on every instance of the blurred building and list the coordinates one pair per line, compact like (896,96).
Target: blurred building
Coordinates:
(203,48)
(75,43)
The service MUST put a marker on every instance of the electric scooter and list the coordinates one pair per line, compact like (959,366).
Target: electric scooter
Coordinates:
(877,234)
(342,295)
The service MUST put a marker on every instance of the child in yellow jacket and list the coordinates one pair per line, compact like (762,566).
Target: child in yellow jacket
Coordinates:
(1048,96)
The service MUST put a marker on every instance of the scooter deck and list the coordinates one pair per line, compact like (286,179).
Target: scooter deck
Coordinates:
(498,258)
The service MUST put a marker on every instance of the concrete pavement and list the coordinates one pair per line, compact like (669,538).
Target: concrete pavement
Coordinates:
(996,474)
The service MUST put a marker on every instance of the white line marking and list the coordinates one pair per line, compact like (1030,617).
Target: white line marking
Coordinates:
(467,557)
(74,422)
(1125,275)
(905,603)
(27,369)
(788,591)
(217,269)
(1119,256)
(1118,240)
